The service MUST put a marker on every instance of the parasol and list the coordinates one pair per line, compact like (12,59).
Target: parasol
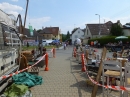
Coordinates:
(121,37)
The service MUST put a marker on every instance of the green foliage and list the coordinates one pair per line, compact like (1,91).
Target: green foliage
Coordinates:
(116,30)
(108,39)
(127,23)
(39,30)
(63,37)
(68,35)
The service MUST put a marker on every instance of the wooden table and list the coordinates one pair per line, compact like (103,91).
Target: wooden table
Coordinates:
(123,60)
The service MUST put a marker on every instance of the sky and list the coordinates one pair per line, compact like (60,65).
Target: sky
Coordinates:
(68,14)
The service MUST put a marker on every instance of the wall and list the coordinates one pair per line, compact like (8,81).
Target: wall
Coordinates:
(79,33)
(126,32)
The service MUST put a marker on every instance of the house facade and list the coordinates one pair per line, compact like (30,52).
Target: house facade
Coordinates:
(97,30)
(126,30)
(50,33)
(77,33)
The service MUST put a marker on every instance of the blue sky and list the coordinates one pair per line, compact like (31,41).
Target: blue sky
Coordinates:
(68,14)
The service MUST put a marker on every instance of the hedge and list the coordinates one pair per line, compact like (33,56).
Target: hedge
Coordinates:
(107,39)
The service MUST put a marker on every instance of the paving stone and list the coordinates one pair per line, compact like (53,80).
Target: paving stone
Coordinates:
(64,78)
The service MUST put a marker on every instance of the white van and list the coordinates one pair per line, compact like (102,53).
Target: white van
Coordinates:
(46,42)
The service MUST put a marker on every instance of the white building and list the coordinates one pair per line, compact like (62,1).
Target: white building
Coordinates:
(77,33)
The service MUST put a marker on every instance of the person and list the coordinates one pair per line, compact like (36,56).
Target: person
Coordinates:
(78,43)
(44,51)
(64,46)
(57,45)
(92,43)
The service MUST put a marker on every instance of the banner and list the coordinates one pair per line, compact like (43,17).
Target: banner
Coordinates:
(31,30)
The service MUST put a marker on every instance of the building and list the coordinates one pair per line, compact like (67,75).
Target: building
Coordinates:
(77,33)
(126,30)
(50,33)
(97,30)
(32,40)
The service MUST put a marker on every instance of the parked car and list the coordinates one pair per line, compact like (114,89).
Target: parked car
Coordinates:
(55,42)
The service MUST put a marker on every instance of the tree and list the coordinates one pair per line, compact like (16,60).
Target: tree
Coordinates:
(127,23)
(63,37)
(39,30)
(116,30)
(68,35)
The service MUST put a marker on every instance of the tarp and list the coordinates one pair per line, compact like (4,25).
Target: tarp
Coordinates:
(27,79)
(15,91)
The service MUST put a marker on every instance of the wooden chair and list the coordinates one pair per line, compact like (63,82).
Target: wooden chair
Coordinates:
(98,78)
(114,70)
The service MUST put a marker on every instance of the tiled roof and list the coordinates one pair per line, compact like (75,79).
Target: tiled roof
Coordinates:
(103,28)
(50,30)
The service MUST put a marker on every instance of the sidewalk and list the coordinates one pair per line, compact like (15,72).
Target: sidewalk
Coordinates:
(64,78)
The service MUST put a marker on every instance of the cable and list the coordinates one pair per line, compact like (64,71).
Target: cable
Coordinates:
(121,12)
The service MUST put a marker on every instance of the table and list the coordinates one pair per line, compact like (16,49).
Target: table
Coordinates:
(123,60)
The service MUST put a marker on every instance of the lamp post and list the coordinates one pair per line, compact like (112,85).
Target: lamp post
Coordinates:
(99,25)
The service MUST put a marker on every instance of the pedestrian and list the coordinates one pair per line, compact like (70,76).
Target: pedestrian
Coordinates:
(64,46)
(44,51)
(57,45)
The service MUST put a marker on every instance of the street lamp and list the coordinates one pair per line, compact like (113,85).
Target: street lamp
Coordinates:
(99,24)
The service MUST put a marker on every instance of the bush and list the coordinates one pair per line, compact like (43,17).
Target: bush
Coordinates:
(107,39)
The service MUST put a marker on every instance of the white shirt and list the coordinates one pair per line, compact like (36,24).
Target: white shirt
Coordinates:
(78,41)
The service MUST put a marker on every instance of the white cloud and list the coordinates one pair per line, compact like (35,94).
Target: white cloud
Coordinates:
(37,23)
(15,0)
(11,9)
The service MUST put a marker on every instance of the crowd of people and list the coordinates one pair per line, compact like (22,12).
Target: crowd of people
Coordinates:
(95,44)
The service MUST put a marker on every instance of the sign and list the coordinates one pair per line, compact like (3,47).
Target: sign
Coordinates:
(31,30)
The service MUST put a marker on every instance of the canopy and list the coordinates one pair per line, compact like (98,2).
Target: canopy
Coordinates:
(121,37)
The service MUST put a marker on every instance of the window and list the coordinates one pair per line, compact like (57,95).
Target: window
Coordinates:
(87,31)
(78,31)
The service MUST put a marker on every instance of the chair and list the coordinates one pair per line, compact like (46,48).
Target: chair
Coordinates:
(127,78)
(114,70)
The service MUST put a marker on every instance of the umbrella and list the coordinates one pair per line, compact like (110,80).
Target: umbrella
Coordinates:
(121,37)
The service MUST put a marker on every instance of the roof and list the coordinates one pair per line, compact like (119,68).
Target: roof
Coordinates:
(74,30)
(77,29)
(126,26)
(50,30)
(104,28)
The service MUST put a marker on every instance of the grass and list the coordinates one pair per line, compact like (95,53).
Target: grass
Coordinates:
(33,47)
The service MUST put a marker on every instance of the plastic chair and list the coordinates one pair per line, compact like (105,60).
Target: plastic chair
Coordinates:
(114,70)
